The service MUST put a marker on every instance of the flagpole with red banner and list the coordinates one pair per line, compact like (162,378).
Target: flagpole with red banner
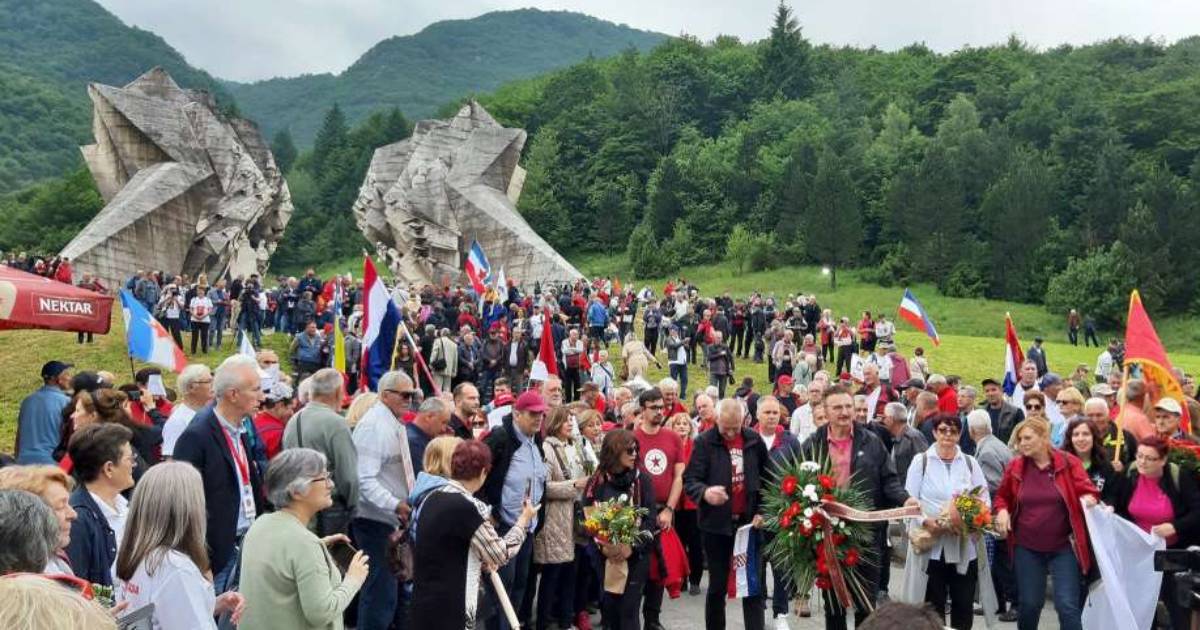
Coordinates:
(1143,348)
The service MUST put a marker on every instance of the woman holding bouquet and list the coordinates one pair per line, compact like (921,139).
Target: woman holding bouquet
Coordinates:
(617,477)
(1164,502)
(1038,508)
(949,484)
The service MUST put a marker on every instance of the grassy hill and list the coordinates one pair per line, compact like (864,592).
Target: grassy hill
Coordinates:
(445,62)
(49,51)
(971,330)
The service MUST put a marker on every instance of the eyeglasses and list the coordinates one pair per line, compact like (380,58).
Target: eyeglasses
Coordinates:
(944,430)
(1033,407)
(322,479)
(403,393)
(632,450)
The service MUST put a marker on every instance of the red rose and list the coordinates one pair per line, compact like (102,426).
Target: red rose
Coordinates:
(838,539)
(852,557)
(826,482)
(804,529)
(793,509)
(789,485)
(817,519)
(823,583)
(785,521)
(828,498)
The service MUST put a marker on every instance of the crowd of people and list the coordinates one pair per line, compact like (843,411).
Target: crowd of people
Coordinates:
(262,497)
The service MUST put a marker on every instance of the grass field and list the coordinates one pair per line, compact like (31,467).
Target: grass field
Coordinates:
(971,330)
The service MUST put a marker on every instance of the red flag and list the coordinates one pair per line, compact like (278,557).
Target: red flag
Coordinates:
(1142,347)
(546,364)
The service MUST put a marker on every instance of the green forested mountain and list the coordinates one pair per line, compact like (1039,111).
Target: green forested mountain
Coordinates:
(1066,175)
(49,51)
(445,61)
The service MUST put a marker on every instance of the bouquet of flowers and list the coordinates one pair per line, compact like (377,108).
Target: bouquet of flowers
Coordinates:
(1184,454)
(967,513)
(616,522)
(811,545)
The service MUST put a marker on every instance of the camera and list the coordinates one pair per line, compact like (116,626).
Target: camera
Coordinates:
(1184,565)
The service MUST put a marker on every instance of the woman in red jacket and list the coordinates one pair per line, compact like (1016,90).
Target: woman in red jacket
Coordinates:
(686,524)
(1038,506)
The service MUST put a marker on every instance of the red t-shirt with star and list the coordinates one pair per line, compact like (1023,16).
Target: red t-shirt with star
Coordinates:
(659,453)
(737,485)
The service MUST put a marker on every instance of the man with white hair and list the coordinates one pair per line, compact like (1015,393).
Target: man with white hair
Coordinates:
(385,477)
(724,477)
(1096,409)
(319,426)
(215,443)
(993,456)
(802,423)
(671,403)
(706,416)
(195,383)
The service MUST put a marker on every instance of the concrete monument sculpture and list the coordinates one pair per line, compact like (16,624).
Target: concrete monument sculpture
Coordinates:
(187,190)
(424,199)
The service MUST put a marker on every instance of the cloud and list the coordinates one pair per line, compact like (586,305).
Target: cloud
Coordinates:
(257,39)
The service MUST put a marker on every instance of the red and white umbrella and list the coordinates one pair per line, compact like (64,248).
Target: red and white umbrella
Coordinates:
(31,301)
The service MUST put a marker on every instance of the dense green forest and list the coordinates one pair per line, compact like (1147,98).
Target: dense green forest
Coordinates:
(1066,175)
(445,61)
(49,51)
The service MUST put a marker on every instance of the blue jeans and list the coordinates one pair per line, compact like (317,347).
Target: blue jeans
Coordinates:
(679,373)
(781,594)
(216,332)
(1032,568)
(515,577)
(249,325)
(381,601)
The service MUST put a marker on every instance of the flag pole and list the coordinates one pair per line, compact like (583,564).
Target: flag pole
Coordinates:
(1121,416)
(132,369)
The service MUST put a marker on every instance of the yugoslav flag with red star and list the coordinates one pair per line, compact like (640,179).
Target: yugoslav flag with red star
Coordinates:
(148,340)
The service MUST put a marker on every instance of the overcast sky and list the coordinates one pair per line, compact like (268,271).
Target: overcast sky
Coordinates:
(257,39)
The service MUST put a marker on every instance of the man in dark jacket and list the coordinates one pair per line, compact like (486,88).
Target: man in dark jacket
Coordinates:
(518,474)
(724,477)
(103,461)
(1005,416)
(858,457)
(492,359)
(720,363)
(216,445)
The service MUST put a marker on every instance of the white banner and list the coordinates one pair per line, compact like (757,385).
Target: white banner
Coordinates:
(1127,592)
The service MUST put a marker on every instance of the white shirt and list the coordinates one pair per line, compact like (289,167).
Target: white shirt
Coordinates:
(181,416)
(115,516)
(385,470)
(203,306)
(1104,364)
(769,440)
(496,416)
(181,596)
(937,485)
(802,422)
(856,367)
(884,364)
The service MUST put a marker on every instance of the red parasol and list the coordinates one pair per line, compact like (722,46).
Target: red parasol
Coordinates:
(31,301)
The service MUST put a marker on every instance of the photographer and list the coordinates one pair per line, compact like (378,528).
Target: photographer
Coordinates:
(249,318)
(170,311)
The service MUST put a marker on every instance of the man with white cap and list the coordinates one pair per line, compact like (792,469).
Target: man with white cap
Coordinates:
(1167,414)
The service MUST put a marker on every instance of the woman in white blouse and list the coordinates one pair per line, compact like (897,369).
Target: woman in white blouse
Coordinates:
(163,559)
(950,566)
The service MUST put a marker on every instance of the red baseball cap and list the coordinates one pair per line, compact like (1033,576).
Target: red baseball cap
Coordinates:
(531,401)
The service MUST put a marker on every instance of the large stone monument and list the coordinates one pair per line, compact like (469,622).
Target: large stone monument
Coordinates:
(426,198)
(187,190)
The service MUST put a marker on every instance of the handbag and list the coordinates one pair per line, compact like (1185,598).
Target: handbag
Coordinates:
(400,554)
(439,359)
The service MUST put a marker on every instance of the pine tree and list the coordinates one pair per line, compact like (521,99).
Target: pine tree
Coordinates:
(835,216)
(332,136)
(285,150)
(784,58)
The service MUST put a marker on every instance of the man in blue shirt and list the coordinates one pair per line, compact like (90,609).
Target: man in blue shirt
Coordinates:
(39,423)
(432,419)
(518,471)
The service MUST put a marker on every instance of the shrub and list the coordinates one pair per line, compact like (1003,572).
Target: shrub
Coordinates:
(1097,284)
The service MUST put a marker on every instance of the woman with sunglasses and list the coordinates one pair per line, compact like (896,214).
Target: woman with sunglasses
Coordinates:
(1034,404)
(1085,442)
(950,566)
(1161,499)
(287,572)
(616,477)
(1038,508)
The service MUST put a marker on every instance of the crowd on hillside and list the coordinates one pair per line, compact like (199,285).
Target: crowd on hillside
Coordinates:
(269,496)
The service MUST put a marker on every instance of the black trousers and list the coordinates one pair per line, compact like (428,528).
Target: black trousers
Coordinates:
(944,580)
(718,549)
(623,611)
(843,360)
(885,557)
(571,384)
(200,333)
(687,526)
(835,615)
(651,340)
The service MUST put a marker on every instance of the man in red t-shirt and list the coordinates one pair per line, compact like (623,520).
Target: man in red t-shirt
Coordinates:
(662,459)
(947,395)
(671,404)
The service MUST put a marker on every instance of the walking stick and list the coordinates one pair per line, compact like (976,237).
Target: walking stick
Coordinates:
(502,595)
